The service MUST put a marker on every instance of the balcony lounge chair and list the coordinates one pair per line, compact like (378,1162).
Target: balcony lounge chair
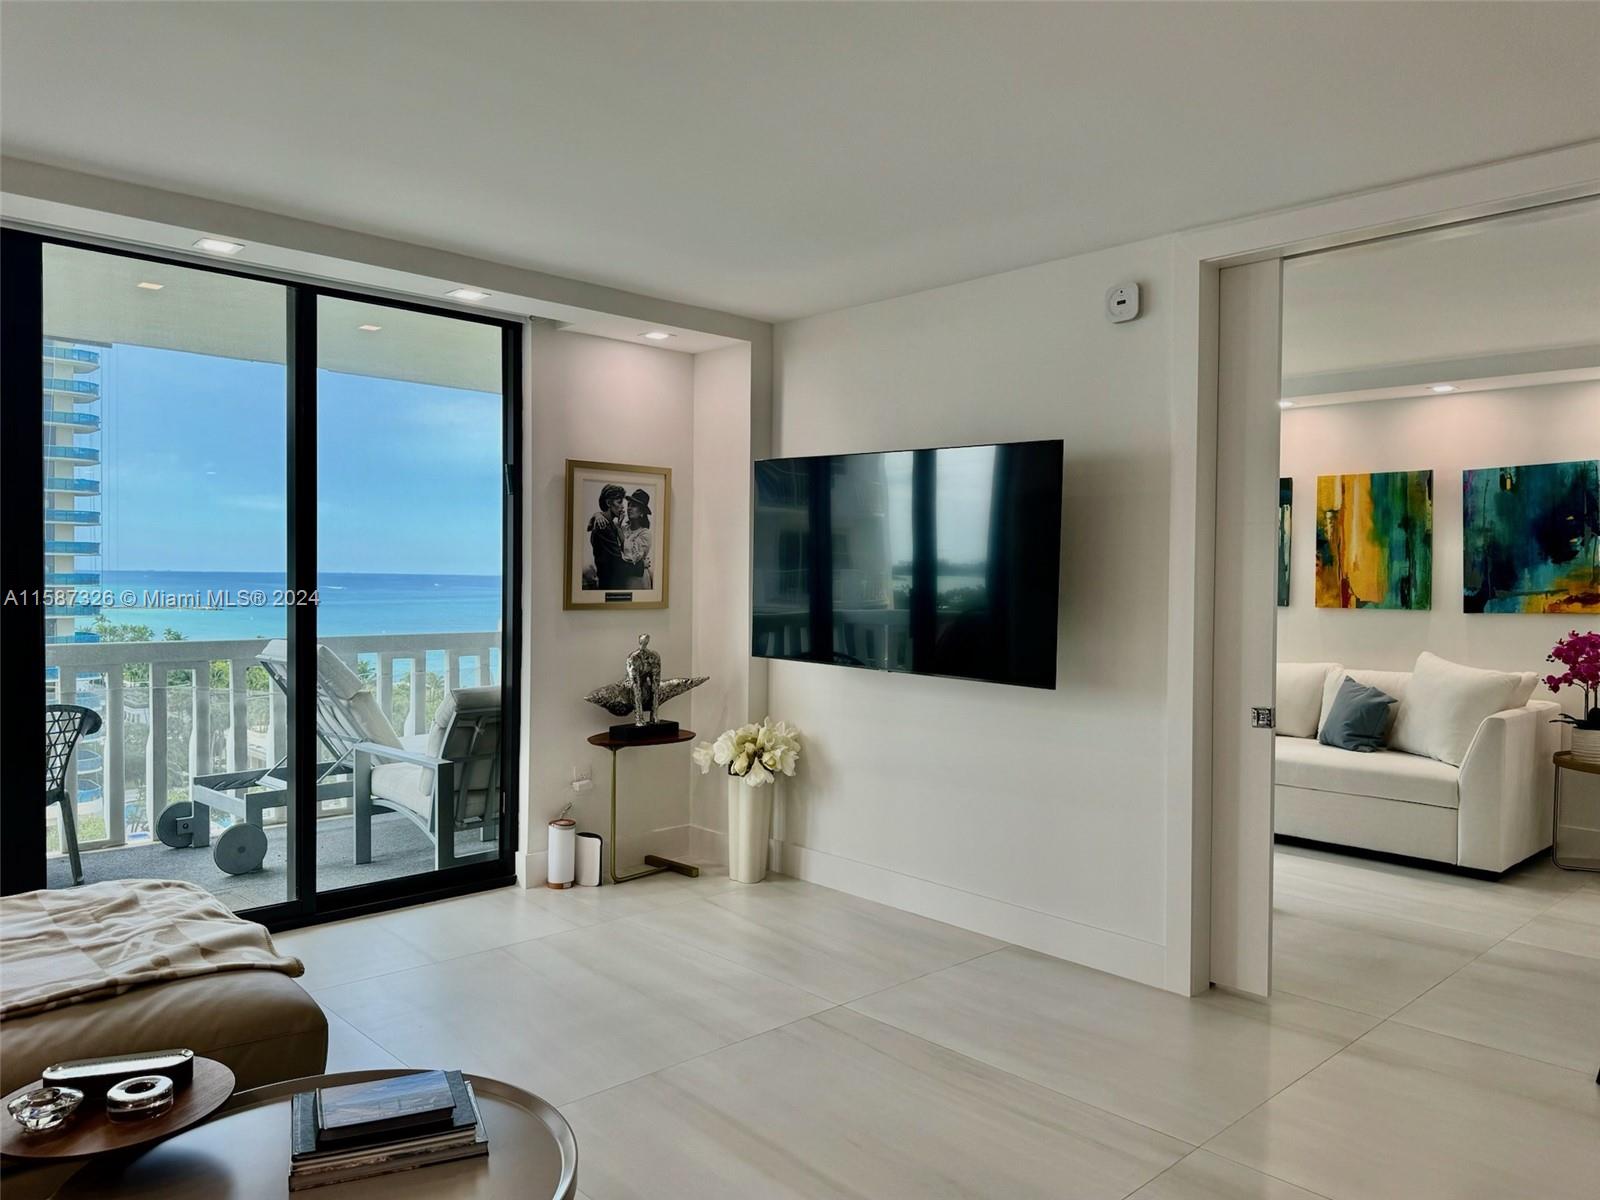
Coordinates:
(347,714)
(65,725)
(452,783)
(354,735)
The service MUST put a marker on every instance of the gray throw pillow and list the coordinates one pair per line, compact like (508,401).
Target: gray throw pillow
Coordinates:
(1357,719)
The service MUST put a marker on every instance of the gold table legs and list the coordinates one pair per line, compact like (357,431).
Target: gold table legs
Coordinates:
(655,863)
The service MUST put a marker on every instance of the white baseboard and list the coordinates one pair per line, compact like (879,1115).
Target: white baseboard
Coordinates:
(1114,953)
(533,868)
(1578,841)
(707,845)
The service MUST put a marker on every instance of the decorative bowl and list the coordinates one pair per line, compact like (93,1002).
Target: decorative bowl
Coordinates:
(45,1109)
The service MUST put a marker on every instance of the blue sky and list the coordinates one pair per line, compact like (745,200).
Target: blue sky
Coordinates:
(194,461)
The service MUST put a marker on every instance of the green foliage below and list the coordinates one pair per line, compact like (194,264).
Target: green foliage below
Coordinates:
(256,679)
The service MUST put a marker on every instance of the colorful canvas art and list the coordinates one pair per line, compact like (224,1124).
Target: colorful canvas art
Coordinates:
(1285,504)
(1531,539)
(1375,540)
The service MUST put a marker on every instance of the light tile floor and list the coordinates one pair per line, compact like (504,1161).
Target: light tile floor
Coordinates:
(1430,1036)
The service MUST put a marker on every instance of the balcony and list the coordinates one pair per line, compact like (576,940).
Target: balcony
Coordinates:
(65,483)
(155,739)
(71,516)
(57,547)
(73,356)
(86,421)
(83,454)
(81,390)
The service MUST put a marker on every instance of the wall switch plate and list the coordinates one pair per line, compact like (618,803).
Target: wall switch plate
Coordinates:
(1122,303)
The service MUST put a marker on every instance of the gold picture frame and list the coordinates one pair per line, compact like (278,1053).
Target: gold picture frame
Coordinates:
(617,556)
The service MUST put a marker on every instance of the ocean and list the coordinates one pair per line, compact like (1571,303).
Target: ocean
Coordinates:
(347,604)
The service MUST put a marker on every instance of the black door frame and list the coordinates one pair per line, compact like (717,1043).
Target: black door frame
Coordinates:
(22,624)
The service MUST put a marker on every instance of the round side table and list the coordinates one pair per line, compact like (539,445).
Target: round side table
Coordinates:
(242,1153)
(1565,762)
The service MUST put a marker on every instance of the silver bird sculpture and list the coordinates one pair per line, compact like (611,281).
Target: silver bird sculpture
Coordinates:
(617,698)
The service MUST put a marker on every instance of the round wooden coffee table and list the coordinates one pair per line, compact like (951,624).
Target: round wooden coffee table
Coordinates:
(242,1153)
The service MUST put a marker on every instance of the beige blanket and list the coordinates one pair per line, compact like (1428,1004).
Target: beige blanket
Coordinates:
(85,943)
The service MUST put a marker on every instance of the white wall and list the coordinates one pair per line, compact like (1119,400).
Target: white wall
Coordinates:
(609,401)
(1554,423)
(722,453)
(1037,816)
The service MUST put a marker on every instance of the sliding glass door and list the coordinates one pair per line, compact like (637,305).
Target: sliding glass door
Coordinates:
(410,554)
(164,402)
(260,635)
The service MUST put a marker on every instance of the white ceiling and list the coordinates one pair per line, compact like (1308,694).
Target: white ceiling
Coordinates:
(781,159)
(94,297)
(1510,295)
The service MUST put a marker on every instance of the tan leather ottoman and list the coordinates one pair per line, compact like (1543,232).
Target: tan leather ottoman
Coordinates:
(262,1024)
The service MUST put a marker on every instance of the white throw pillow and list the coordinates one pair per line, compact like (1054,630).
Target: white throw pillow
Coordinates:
(1300,697)
(1390,683)
(1524,692)
(1444,705)
(442,717)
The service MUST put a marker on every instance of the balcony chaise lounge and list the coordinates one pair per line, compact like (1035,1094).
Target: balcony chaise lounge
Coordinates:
(444,781)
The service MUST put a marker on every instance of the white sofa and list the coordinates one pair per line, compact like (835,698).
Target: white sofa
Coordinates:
(1488,814)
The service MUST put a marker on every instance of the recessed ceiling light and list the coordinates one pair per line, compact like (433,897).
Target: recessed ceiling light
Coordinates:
(369,328)
(148,286)
(467,294)
(1442,387)
(657,335)
(213,245)
(1285,403)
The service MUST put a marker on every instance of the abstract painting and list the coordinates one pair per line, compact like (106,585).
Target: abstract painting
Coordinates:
(1531,538)
(1375,540)
(1285,504)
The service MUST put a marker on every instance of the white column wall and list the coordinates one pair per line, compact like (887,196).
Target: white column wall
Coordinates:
(722,454)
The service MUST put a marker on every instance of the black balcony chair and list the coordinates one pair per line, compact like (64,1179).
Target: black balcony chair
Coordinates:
(65,725)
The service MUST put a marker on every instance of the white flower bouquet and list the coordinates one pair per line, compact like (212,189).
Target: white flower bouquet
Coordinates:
(753,754)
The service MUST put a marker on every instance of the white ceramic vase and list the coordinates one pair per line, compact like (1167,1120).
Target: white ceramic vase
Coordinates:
(1586,745)
(749,830)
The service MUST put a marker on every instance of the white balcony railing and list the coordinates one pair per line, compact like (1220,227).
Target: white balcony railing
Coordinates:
(191,708)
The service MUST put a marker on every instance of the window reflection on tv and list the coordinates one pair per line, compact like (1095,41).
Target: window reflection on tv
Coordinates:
(932,562)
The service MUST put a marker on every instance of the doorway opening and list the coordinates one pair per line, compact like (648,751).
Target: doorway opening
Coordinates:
(1437,534)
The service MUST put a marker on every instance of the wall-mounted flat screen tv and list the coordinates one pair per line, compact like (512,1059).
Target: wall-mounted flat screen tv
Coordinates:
(932,562)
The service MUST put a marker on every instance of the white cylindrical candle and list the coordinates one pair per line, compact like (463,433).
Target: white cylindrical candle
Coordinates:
(562,864)
(589,846)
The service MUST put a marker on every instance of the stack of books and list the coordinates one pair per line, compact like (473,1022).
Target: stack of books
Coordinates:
(359,1130)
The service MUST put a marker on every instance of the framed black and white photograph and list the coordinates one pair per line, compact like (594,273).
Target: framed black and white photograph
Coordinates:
(617,522)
